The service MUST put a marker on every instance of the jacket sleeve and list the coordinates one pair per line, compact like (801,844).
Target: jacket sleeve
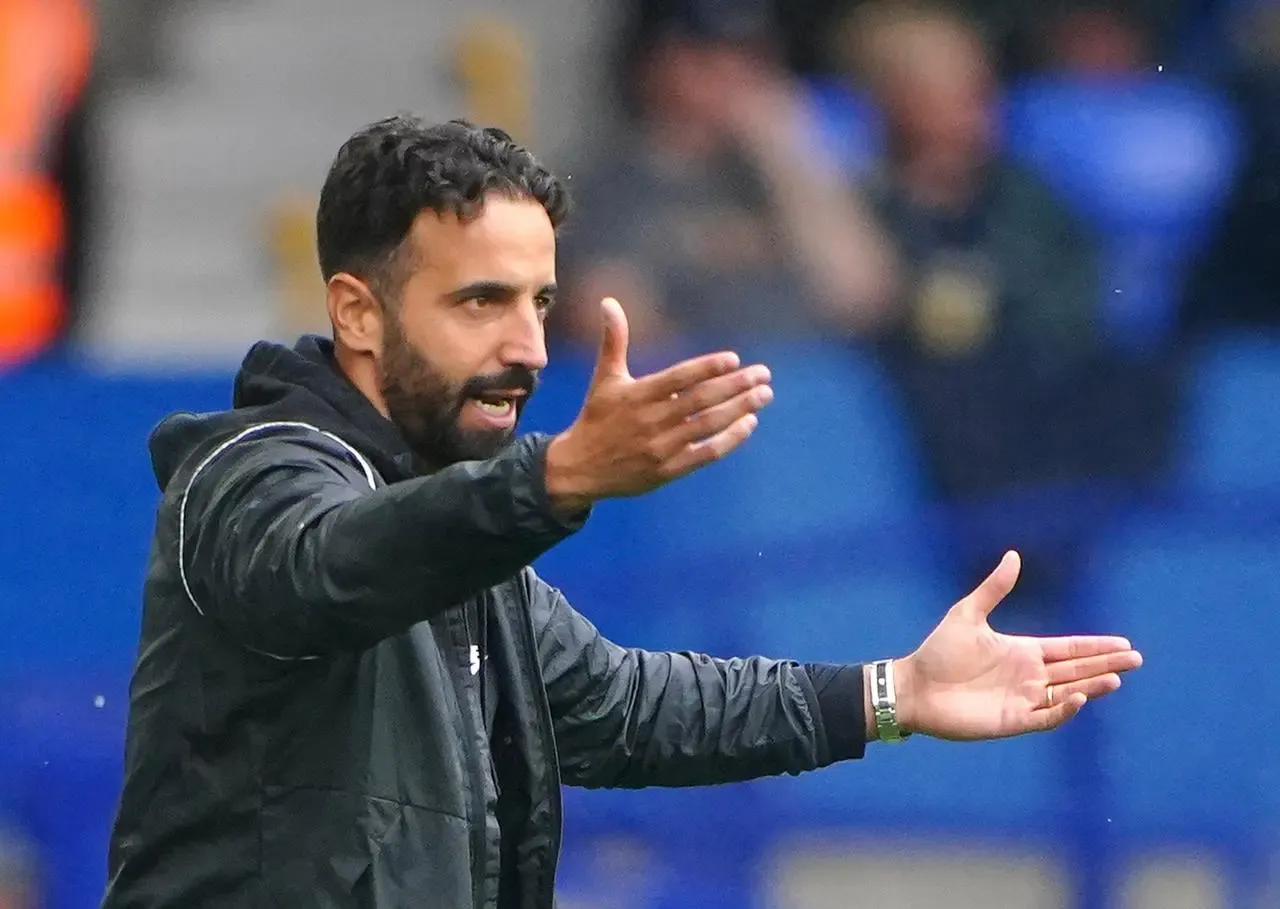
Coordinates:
(284,542)
(628,718)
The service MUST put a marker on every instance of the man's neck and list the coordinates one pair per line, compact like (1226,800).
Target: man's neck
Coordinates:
(361,372)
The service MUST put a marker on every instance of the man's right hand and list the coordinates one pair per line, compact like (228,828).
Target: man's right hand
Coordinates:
(634,435)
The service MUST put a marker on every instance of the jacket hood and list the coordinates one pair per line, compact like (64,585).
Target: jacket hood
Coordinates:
(279,383)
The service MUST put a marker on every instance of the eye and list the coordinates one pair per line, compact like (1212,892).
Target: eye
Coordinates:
(480,303)
(544,302)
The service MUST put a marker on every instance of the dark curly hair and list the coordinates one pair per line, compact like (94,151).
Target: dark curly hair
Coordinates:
(389,172)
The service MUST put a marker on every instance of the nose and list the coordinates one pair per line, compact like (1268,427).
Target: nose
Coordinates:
(526,341)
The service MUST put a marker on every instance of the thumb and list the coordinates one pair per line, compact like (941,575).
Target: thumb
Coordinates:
(987,596)
(612,360)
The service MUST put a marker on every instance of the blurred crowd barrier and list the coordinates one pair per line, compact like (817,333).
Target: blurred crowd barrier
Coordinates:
(1039,312)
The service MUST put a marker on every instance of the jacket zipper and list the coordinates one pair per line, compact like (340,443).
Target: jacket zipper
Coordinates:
(479,811)
(553,761)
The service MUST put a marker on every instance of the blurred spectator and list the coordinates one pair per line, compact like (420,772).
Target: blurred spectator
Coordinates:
(997,329)
(1096,39)
(1087,37)
(718,218)
(1019,33)
(1237,282)
(49,52)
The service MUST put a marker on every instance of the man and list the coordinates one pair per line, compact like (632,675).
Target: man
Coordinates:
(699,215)
(995,329)
(351,690)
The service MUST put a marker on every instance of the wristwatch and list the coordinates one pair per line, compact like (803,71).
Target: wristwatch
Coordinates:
(884,701)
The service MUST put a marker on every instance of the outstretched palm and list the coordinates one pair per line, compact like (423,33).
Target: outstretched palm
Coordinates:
(967,681)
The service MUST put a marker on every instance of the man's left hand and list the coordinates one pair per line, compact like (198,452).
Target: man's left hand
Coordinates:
(969,682)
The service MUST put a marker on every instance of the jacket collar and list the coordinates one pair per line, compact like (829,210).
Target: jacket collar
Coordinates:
(305,382)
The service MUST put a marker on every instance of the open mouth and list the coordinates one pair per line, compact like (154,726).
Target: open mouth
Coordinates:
(496,408)
(499,405)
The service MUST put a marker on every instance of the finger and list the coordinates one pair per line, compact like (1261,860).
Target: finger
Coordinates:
(1066,671)
(996,587)
(1074,647)
(612,359)
(699,454)
(715,419)
(674,379)
(1055,716)
(1097,686)
(712,392)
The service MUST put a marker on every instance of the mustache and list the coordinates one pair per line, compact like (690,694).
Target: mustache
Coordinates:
(513,378)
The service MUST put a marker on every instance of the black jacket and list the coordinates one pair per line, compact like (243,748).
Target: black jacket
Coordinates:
(307,724)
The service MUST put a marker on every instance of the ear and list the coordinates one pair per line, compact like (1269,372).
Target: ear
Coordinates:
(355,313)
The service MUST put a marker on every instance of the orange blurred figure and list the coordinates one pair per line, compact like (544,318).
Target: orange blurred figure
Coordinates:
(46,53)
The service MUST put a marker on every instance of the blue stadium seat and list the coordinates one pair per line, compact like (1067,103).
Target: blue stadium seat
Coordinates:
(847,126)
(673,868)
(869,609)
(1191,744)
(61,760)
(79,508)
(1231,435)
(831,456)
(1147,164)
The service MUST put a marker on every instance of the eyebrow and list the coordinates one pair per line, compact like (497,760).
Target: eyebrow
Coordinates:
(498,289)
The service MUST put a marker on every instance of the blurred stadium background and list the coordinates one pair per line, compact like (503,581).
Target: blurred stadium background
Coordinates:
(1016,276)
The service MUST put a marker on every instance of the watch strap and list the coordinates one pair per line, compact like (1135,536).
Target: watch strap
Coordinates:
(884,701)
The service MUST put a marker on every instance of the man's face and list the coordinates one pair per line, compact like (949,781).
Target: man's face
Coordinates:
(940,98)
(689,79)
(463,349)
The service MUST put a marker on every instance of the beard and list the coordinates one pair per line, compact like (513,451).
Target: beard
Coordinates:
(427,407)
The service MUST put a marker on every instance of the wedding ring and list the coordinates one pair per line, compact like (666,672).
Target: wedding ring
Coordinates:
(1049,691)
